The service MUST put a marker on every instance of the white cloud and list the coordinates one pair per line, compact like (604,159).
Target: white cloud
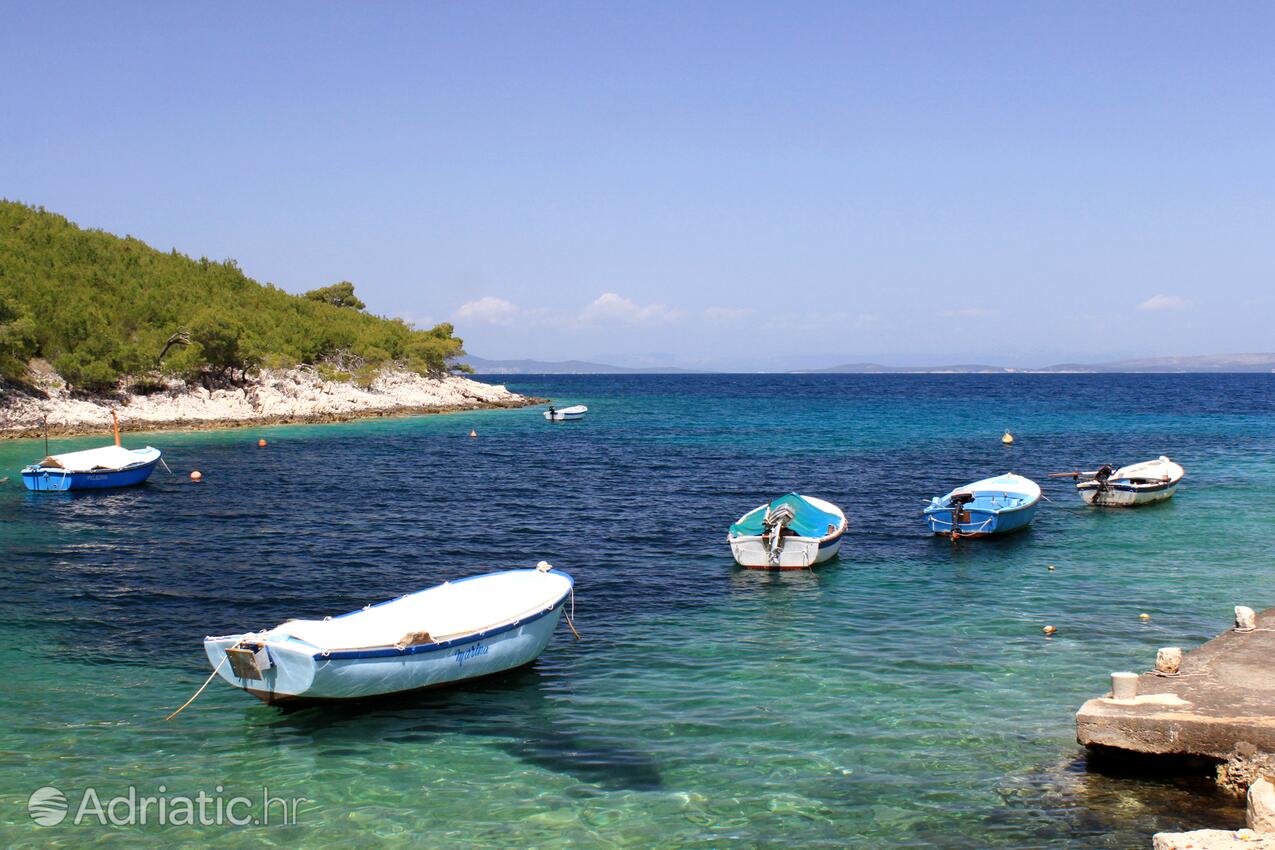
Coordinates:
(1165,302)
(610,307)
(966,313)
(727,314)
(489,309)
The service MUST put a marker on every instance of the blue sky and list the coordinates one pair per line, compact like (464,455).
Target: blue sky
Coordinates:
(731,185)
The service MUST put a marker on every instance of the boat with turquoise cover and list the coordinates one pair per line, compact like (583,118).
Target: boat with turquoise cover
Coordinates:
(984,508)
(792,532)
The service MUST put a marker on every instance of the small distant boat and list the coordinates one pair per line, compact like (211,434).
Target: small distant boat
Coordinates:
(566,414)
(1128,486)
(790,533)
(445,634)
(92,469)
(992,506)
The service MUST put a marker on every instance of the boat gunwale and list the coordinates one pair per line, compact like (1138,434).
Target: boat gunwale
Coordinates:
(391,651)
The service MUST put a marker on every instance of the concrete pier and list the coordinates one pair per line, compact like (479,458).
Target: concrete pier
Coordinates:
(1224,694)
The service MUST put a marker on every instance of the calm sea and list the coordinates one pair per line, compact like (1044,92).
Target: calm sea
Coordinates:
(900,696)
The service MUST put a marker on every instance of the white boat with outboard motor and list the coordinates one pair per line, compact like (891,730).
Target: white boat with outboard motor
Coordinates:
(566,414)
(1128,486)
(790,533)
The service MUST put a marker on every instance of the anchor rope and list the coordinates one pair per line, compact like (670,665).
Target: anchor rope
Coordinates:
(206,683)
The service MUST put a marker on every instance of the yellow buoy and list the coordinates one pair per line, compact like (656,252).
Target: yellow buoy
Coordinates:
(196,475)
(1008,439)
(1144,616)
(473,433)
(1052,568)
(1049,630)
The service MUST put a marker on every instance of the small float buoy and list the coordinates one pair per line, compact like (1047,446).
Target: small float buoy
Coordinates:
(1144,616)
(1052,568)
(473,433)
(1049,630)
(1008,439)
(196,475)
(261,444)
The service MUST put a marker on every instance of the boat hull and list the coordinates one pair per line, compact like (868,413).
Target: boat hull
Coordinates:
(796,553)
(982,523)
(1116,496)
(299,676)
(56,480)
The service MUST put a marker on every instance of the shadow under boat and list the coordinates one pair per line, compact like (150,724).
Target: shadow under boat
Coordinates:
(515,710)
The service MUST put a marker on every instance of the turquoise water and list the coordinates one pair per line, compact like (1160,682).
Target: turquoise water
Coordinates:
(900,696)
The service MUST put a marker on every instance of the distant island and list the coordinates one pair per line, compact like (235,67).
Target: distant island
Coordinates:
(91,321)
(1215,363)
(483,366)
(1201,363)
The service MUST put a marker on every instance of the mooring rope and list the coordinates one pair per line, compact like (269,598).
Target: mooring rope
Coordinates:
(570,616)
(207,682)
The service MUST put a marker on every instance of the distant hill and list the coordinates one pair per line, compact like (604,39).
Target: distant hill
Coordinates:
(101,308)
(483,366)
(878,369)
(1201,363)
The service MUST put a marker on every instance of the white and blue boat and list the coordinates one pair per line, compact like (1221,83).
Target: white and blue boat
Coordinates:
(992,506)
(790,533)
(442,635)
(92,469)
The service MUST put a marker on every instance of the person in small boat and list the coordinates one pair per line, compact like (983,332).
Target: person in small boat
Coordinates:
(553,413)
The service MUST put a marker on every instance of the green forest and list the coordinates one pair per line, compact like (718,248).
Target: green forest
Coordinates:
(101,309)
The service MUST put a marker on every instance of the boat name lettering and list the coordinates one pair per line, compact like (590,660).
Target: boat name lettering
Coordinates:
(463,655)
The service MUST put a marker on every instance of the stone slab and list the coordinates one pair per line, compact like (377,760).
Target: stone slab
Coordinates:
(1223,695)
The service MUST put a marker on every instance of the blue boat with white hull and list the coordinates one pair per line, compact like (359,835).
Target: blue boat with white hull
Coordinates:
(453,632)
(93,469)
(984,508)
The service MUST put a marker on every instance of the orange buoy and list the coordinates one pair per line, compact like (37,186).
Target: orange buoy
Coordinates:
(1049,630)
(261,443)
(1008,439)
(196,475)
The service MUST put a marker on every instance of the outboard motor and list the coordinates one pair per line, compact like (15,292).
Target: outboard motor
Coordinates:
(1104,472)
(775,522)
(957,502)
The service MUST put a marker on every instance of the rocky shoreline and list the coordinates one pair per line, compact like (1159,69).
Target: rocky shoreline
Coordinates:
(298,395)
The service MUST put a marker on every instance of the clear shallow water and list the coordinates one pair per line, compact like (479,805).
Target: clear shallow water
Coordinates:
(901,696)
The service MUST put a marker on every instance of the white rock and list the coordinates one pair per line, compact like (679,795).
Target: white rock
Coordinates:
(292,394)
(1245,618)
(1168,659)
(1261,806)
(1212,839)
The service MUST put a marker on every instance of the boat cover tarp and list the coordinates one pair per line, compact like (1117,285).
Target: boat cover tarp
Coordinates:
(446,611)
(107,457)
(808,521)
